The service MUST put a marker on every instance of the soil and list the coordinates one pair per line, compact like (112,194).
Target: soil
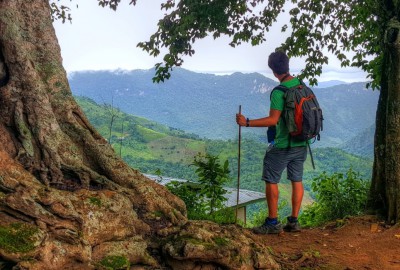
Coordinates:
(358,243)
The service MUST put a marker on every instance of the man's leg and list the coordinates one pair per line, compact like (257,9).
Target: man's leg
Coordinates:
(297,197)
(293,224)
(273,166)
(271,224)
(272,195)
(295,173)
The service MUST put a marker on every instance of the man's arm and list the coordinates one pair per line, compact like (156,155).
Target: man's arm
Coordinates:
(268,121)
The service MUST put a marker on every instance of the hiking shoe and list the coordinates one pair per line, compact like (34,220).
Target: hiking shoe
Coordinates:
(292,226)
(268,228)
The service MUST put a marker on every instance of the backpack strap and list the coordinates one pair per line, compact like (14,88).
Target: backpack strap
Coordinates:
(283,89)
(279,88)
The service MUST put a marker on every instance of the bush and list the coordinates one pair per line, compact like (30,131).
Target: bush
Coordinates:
(205,199)
(190,195)
(212,176)
(337,196)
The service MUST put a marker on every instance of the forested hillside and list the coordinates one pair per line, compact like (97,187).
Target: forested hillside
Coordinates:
(149,146)
(205,104)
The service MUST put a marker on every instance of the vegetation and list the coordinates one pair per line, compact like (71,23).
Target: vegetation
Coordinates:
(149,147)
(114,263)
(259,212)
(195,203)
(169,152)
(95,201)
(337,196)
(18,237)
(172,151)
(204,198)
(370,31)
(212,177)
(203,104)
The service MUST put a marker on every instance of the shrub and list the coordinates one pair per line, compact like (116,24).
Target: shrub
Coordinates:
(337,196)
(205,199)
(190,195)
(212,176)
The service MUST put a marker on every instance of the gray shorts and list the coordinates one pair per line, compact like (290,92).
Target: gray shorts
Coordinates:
(277,159)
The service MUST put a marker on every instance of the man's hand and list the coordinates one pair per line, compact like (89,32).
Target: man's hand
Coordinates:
(240,119)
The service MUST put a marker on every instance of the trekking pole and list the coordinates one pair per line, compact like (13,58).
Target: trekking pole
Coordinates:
(312,159)
(238,177)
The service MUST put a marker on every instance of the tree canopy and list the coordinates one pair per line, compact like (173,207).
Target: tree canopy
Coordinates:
(315,28)
(350,29)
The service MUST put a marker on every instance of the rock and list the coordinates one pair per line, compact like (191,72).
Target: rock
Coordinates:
(206,244)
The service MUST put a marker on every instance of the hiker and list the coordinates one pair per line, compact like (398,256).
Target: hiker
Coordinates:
(285,153)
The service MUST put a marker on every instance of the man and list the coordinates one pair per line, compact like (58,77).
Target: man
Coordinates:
(285,153)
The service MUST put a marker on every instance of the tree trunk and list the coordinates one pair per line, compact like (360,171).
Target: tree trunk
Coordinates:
(66,200)
(385,188)
(43,128)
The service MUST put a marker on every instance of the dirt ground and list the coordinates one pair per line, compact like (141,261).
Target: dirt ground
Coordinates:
(360,243)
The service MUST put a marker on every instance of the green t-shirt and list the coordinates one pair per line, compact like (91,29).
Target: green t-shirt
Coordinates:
(282,137)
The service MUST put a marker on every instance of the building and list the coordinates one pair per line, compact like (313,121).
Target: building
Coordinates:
(246,197)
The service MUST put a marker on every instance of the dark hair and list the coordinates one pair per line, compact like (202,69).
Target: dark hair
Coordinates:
(278,62)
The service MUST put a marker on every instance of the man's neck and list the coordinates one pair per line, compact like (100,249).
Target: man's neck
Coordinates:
(284,77)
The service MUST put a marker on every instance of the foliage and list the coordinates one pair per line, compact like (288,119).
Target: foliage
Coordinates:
(149,146)
(337,196)
(59,11)
(195,202)
(205,199)
(63,12)
(212,176)
(171,152)
(224,216)
(317,27)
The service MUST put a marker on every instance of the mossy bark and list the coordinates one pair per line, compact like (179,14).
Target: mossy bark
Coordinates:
(49,140)
(60,178)
(385,188)
(43,128)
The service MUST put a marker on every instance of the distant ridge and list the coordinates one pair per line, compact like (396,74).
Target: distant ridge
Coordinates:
(362,144)
(206,104)
(330,83)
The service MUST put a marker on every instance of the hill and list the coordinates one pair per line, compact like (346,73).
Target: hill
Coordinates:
(205,104)
(149,146)
(361,144)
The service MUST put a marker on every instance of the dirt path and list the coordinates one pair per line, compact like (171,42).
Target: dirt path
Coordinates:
(361,243)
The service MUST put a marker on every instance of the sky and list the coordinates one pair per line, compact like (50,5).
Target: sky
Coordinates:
(101,39)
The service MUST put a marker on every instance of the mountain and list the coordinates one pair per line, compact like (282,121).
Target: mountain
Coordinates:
(154,148)
(206,104)
(149,146)
(361,144)
(329,83)
(348,110)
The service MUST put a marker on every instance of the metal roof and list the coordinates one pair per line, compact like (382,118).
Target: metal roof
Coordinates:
(245,196)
